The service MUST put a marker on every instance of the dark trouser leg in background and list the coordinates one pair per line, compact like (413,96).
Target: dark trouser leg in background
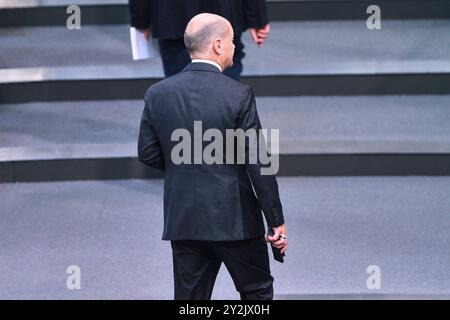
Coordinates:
(175,57)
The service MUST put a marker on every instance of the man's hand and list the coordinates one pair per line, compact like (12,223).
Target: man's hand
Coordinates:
(260,35)
(146,33)
(279,239)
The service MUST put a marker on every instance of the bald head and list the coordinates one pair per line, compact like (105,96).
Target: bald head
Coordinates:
(202,31)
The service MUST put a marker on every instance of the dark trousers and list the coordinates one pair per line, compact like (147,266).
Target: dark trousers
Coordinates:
(196,265)
(175,57)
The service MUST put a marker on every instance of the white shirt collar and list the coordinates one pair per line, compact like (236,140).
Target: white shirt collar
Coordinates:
(208,61)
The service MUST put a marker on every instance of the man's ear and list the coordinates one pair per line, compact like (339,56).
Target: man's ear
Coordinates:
(218,46)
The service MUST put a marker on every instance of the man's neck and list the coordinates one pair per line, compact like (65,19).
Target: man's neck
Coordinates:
(203,60)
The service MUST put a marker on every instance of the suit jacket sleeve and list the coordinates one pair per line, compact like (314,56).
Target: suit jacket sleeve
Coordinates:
(149,149)
(265,186)
(255,13)
(139,13)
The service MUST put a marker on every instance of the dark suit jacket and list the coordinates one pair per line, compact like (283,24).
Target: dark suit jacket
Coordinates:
(168,18)
(214,202)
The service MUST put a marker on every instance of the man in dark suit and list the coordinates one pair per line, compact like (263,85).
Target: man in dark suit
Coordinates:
(167,19)
(211,212)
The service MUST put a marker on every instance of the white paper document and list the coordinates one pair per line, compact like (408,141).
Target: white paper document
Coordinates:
(141,48)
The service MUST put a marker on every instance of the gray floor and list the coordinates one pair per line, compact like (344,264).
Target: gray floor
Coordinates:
(364,119)
(45,3)
(337,228)
(292,46)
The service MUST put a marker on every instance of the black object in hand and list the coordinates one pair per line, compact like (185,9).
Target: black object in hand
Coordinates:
(277,255)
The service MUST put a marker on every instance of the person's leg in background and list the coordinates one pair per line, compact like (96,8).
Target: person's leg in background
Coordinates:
(174,55)
(235,71)
(247,262)
(195,270)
